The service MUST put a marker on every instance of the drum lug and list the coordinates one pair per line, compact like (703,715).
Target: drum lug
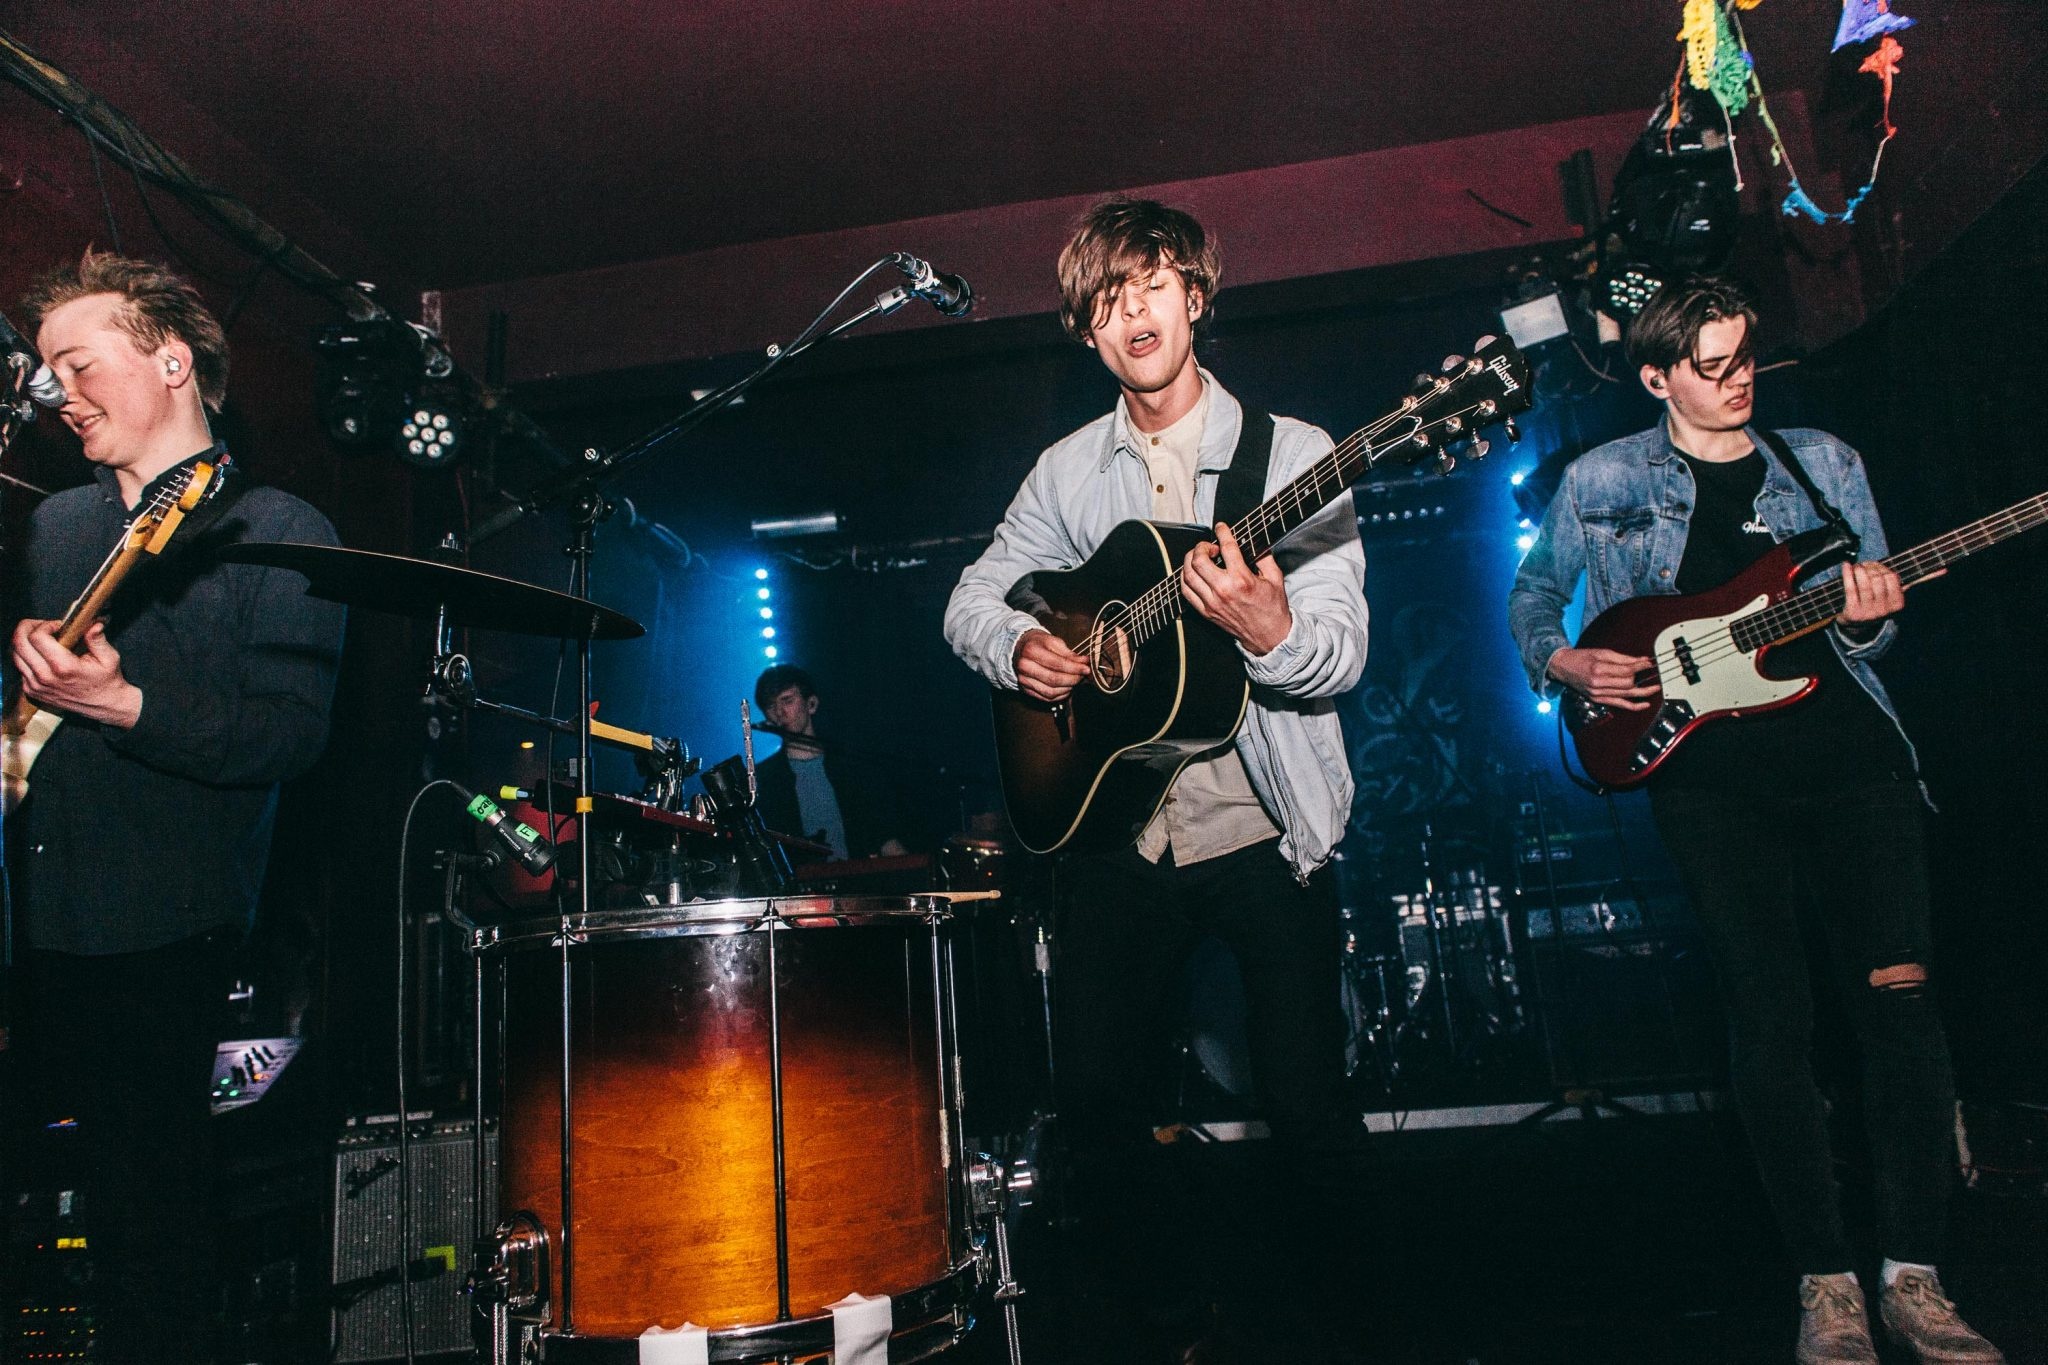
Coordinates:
(509,1281)
(996,1188)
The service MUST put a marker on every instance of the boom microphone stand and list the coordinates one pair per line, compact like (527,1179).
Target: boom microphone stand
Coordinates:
(581,489)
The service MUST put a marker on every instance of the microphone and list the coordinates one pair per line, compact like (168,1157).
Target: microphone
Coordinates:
(43,386)
(523,842)
(949,294)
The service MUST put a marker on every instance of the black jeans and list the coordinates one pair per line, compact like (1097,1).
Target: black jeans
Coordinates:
(1856,857)
(1126,931)
(124,1044)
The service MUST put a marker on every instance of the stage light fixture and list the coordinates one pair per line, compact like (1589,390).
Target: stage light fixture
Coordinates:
(385,381)
(365,370)
(761,573)
(1534,321)
(769,652)
(767,613)
(1543,707)
(1674,210)
(1525,543)
(431,432)
(767,632)
(811,524)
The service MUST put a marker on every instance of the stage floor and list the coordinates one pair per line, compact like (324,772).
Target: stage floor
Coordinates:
(1611,1241)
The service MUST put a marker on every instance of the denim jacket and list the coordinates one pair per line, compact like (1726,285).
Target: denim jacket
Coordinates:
(1620,518)
(1084,486)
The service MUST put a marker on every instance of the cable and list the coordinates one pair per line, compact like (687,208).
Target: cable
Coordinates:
(99,178)
(405,1232)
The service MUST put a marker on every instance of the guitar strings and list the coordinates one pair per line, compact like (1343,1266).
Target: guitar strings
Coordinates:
(1159,604)
(1816,605)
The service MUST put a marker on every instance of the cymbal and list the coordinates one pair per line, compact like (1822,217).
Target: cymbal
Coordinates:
(421,588)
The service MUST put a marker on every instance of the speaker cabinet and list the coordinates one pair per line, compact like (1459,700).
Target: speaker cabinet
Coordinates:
(370,1264)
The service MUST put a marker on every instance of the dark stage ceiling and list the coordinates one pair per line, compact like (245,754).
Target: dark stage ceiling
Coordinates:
(474,142)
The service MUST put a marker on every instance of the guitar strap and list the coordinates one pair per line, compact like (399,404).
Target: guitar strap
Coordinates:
(1243,486)
(1783,450)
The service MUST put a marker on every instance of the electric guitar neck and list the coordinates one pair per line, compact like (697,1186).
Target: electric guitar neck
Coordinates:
(26,727)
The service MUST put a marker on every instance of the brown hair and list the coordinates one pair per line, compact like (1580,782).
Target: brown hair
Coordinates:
(1123,238)
(1668,329)
(159,305)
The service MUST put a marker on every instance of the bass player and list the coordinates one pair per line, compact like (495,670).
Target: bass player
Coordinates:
(1815,808)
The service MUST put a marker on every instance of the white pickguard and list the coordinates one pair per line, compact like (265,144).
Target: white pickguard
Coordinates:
(1728,677)
(18,754)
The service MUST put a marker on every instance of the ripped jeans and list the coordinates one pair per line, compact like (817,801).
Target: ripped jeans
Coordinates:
(1856,857)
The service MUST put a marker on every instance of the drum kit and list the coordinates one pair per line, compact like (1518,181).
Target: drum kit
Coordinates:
(730,1104)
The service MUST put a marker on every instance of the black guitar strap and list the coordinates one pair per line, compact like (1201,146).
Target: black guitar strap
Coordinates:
(1783,450)
(1243,486)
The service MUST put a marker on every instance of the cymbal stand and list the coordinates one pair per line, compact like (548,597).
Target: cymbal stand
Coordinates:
(580,489)
(1433,927)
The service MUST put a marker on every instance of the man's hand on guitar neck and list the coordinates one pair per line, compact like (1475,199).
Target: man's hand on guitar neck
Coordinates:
(89,685)
(1870,592)
(1251,604)
(1606,676)
(1046,668)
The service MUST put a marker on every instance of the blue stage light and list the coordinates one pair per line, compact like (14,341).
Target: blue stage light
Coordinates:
(767,613)
(761,573)
(1543,707)
(1525,543)
(769,652)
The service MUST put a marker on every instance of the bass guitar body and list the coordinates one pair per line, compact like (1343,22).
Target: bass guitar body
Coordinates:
(1704,672)
(1090,773)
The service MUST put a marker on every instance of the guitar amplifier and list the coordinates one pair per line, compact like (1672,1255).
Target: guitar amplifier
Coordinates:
(369,1263)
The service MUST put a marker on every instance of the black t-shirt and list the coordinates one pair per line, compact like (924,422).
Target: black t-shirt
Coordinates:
(1835,736)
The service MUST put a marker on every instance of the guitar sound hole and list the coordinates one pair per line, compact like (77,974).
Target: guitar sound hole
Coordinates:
(1110,657)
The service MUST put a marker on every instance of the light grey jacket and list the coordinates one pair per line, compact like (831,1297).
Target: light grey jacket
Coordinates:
(1086,485)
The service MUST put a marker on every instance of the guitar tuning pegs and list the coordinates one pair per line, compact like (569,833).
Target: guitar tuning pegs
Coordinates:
(1445,462)
(1514,432)
(1480,447)
(1425,381)
(1453,362)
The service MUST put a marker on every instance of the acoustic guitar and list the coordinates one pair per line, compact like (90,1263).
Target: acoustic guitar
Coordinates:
(1167,685)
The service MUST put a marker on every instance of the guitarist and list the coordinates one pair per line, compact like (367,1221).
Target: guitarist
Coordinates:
(147,826)
(1814,807)
(1239,848)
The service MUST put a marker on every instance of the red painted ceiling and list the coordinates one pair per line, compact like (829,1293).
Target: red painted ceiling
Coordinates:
(493,141)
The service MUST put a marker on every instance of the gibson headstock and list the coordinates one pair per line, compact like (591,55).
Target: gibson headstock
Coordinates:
(1466,395)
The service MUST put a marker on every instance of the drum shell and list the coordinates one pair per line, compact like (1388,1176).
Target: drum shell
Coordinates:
(673,1136)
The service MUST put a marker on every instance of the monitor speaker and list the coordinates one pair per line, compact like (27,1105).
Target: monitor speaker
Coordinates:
(371,1265)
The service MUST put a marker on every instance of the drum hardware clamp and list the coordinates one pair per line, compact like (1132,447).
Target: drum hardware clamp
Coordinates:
(509,1283)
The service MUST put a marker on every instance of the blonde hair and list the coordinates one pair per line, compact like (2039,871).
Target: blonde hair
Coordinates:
(158,305)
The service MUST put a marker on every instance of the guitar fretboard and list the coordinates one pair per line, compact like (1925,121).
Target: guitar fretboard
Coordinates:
(1816,606)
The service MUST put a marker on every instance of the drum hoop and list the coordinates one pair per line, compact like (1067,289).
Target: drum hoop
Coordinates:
(696,919)
(809,1335)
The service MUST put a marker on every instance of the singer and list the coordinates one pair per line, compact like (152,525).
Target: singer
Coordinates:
(1239,849)
(147,826)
